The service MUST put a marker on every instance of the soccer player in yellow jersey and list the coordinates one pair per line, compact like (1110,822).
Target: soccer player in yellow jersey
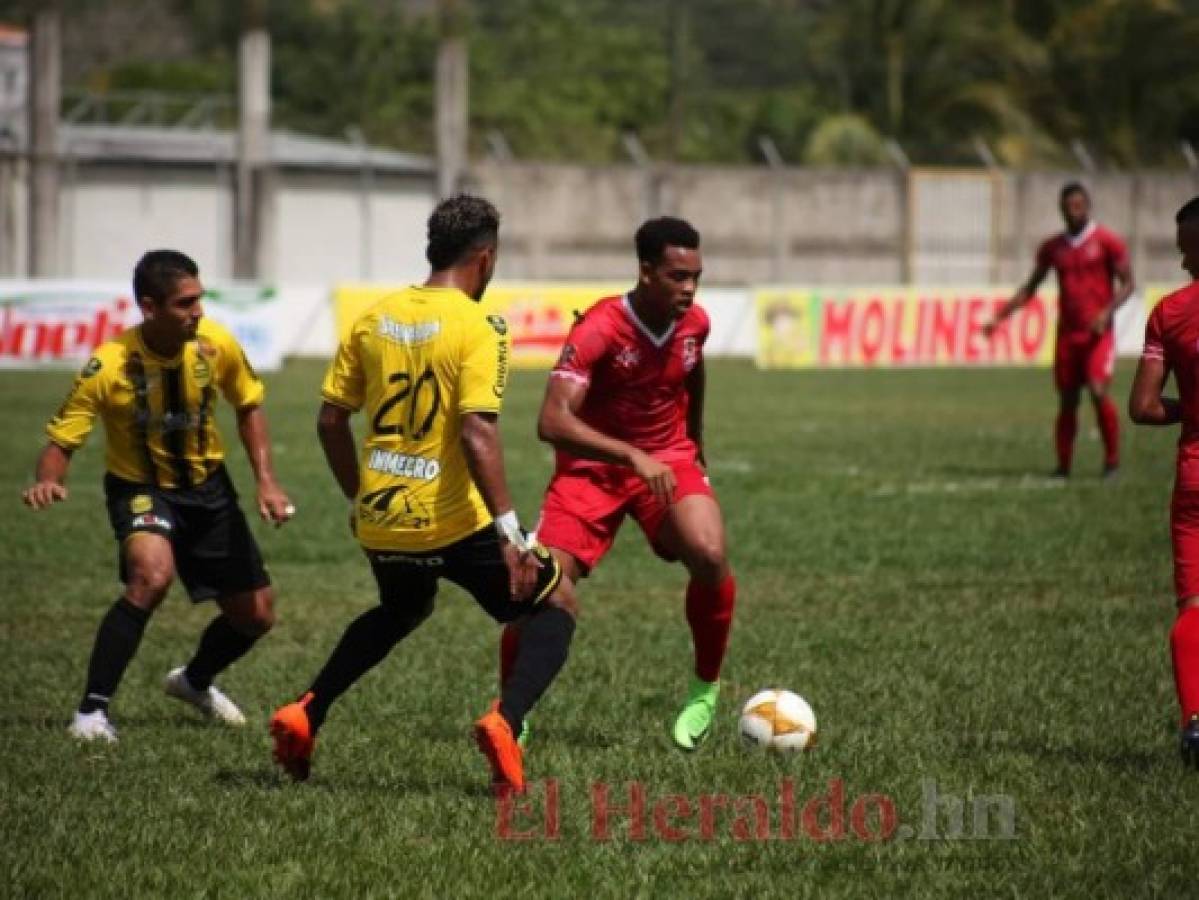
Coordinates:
(427,368)
(171,503)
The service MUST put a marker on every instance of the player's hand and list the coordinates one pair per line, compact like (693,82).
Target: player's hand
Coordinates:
(273,504)
(44,494)
(522,571)
(657,475)
(1101,322)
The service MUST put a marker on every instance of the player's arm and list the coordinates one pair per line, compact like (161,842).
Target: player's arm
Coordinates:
(337,440)
(50,475)
(1122,289)
(1146,405)
(1023,294)
(273,503)
(695,383)
(559,424)
(484,453)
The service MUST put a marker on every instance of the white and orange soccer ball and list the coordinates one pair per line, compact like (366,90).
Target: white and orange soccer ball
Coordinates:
(778,720)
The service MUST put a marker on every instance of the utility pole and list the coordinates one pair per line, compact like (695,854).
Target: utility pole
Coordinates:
(253,138)
(452,97)
(45,98)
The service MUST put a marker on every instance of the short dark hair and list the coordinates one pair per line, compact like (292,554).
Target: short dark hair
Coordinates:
(459,225)
(1072,187)
(655,235)
(155,274)
(1189,212)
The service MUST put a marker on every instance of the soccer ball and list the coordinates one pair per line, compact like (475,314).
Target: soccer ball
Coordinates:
(779,721)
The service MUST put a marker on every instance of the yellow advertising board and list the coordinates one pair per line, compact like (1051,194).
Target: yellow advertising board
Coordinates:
(538,315)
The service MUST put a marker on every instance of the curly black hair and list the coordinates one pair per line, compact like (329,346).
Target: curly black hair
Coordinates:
(1189,212)
(655,235)
(459,225)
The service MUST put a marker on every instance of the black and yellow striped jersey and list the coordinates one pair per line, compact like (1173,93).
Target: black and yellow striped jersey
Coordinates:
(415,363)
(158,413)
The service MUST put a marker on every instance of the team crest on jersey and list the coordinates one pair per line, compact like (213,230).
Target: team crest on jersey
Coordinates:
(205,347)
(90,368)
(498,323)
(627,358)
(202,372)
(690,353)
(141,504)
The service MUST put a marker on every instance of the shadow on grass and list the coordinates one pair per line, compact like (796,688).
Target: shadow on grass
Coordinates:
(394,783)
(62,720)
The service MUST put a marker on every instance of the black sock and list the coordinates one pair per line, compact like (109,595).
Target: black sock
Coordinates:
(544,644)
(365,644)
(221,645)
(117,638)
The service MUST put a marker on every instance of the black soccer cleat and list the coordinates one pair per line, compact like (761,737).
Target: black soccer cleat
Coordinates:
(1189,743)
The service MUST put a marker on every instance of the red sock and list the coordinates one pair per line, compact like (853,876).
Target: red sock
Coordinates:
(509,644)
(1184,649)
(1064,430)
(710,615)
(1109,427)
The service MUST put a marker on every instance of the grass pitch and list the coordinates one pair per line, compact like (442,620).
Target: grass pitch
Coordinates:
(971,637)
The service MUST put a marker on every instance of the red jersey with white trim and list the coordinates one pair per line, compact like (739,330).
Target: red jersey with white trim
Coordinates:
(1085,266)
(635,380)
(1172,336)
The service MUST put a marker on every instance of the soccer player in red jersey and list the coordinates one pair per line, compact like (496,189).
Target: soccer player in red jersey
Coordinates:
(1172,345)
(624,411)
(1094,278)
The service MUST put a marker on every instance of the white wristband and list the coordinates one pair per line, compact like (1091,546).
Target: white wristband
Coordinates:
(509,527)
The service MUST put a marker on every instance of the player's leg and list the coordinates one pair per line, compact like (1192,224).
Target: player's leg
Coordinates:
(407,585)
(219,560)
(141,523)
(1068,381)
(1101,362)
(477,565)
(1184,635)
(245,617)
(693,532)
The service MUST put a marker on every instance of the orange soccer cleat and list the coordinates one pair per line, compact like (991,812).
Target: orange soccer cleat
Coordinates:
(294,740)
(495,739)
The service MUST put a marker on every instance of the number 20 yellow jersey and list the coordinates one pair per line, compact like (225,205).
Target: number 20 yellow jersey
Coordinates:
(414,364)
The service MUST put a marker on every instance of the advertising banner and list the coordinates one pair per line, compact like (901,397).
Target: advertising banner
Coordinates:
(898,326)
(60,323)
(538,315)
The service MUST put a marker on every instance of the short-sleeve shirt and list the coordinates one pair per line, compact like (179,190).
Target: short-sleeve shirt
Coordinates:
(636,380)
(415,364)
(1085,264)
(1172,336)
(157,412)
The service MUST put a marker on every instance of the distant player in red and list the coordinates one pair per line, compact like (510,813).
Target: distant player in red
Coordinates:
(1094,277)
(624,411)
(1172,345)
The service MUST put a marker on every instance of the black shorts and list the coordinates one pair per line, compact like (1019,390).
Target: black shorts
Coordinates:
(475,564)
(215,551)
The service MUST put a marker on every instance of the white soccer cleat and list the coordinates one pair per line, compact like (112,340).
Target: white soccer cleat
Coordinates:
(93,726)
(212,703)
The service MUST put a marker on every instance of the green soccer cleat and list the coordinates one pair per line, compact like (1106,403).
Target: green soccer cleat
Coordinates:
(526,732)
(694,723)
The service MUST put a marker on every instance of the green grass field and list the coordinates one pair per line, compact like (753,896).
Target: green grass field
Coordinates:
(960,626)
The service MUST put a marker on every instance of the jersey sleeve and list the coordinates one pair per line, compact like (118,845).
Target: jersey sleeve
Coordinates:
(484,372)
(345,383)
(1155,347)
(585,346)
(1117,251)
(70,426)
(238,381)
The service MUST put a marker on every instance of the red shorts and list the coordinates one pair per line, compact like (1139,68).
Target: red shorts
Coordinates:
(1083,358)
(583,510)
(1184,538)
